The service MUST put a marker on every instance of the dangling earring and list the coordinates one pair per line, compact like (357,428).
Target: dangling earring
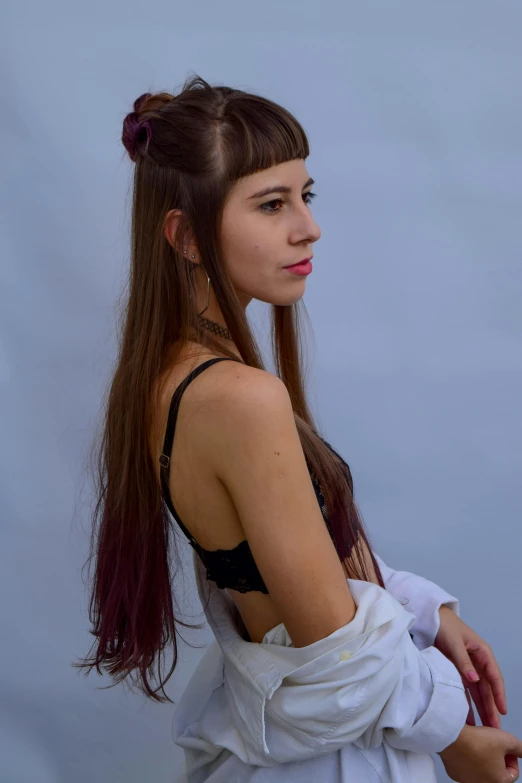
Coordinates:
(208,291)
(208,284)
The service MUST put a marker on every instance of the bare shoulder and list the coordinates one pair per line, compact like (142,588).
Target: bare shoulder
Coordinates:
(242,376)
(241,403)
(234,388)
(227,398)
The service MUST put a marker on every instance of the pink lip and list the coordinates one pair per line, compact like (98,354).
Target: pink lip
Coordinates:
(303,268)
(299,263)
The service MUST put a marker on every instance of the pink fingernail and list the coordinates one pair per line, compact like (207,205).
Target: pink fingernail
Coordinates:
(473,676)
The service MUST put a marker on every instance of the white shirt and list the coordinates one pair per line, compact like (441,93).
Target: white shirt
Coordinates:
(367,704)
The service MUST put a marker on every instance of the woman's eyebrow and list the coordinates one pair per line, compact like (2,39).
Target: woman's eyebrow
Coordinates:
(278,189)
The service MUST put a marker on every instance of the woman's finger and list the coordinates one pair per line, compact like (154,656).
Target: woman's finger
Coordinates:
(488,700)
(485,663)
(485,704)
(479,703)
(512,765)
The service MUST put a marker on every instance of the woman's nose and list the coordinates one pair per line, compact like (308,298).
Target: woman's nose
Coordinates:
(306,228)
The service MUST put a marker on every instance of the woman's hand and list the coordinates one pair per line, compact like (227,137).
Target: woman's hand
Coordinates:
(473,657)
(477,666)
(482,755)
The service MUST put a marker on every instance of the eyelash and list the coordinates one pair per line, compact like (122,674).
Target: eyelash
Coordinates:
(272,210)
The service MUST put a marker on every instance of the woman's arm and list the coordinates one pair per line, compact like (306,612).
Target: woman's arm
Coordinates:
(341,667)
(255,451)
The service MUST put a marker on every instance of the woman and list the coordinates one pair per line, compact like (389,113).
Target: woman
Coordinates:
(221,216)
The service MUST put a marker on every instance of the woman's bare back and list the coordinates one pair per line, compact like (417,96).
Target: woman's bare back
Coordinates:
(199,497)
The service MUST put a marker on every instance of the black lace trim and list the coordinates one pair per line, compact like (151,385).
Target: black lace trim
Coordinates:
(233,568)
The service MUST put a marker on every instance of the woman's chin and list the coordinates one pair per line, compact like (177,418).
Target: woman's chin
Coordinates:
(284,299)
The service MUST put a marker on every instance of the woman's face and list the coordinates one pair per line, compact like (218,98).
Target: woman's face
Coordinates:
(262,234)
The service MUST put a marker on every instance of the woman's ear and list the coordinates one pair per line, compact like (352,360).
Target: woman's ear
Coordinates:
(170,228)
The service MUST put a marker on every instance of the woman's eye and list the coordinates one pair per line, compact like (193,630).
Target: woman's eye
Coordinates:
(268,206)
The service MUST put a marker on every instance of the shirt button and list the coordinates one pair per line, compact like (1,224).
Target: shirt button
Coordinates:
(345,655)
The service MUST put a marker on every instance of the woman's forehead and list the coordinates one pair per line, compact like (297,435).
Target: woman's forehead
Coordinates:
(291,174)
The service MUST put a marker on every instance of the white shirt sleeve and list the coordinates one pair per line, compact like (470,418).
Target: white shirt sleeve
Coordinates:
(366,683)
(420,597)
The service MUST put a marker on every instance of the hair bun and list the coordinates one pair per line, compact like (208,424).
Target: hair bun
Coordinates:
(136,129)
(138,103)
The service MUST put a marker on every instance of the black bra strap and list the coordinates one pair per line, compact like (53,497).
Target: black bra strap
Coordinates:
(169,436)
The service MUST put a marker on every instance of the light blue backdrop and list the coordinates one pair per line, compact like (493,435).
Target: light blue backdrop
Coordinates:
(414,114)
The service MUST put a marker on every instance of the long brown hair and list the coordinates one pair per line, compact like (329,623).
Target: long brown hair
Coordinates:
(188,150)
